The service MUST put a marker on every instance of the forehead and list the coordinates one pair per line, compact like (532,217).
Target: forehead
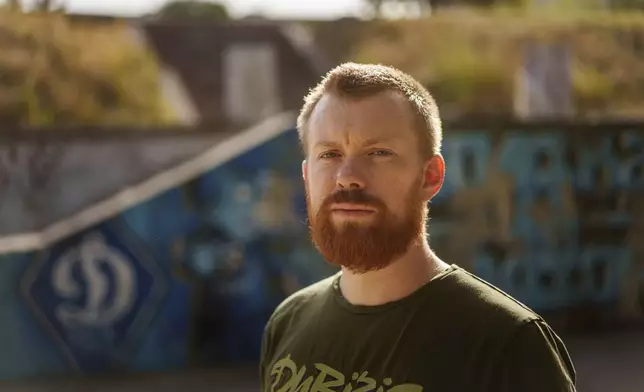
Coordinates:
(383,116)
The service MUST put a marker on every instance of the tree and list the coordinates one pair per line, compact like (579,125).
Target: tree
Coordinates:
(57,72)
(45,5)
(627,4)
(193,10)
(38,5)
(378,5)
(54,71)
(14,5)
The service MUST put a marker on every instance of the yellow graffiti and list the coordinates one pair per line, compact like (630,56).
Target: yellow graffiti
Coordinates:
(287,377)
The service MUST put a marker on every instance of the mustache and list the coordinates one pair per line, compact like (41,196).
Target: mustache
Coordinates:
(353,196)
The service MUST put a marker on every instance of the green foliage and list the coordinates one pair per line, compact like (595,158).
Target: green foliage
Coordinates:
(193,10)
(53,71)
(592,88)
(465,78)
(469,58)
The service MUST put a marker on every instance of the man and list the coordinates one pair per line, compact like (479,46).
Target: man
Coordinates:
(396,318)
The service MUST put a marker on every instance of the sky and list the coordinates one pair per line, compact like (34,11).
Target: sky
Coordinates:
(305,9)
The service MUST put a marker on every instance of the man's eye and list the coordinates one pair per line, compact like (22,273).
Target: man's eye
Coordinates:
(329,155)
(381,153)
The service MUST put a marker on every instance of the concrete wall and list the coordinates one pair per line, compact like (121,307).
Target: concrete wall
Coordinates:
(550,214)
(43,181)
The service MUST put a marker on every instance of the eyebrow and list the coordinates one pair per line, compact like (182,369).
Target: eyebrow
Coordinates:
(325,144)
(367,142)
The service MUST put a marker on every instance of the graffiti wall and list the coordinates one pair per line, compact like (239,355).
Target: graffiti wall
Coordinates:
(187,278)
(553,216)
(190,276)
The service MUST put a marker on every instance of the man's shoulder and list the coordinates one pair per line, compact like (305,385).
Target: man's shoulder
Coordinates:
(474,297)
(530,355)
(302,300)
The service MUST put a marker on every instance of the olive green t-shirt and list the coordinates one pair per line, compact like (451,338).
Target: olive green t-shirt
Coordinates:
(456,333)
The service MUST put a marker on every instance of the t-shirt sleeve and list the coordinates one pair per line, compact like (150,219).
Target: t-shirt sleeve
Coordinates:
(536,360)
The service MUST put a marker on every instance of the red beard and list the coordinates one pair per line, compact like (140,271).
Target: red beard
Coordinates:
(363,247)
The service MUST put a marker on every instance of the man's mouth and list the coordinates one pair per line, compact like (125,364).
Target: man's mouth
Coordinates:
(354,210)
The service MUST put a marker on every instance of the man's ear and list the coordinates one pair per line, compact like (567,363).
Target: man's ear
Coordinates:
(304,170)
(433,176)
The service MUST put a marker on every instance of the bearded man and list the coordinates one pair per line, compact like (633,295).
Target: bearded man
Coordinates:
(395,318)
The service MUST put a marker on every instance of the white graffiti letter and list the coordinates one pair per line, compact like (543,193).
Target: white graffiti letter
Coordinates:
(97,309)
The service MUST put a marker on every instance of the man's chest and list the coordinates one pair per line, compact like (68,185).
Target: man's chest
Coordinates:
(374,358)
(288,373)
(362,364)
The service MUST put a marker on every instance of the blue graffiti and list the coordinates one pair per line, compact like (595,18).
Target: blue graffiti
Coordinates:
(557,188)
(543,215)
(95,293)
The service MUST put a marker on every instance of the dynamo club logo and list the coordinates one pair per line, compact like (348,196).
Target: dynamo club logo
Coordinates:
(95,294)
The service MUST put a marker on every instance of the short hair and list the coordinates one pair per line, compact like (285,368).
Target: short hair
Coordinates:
(357,81)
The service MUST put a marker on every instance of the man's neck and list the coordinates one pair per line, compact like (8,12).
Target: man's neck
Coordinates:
(398,280)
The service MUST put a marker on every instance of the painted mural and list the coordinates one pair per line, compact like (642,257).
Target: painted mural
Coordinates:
(95,294)
(190,277)
(554,218)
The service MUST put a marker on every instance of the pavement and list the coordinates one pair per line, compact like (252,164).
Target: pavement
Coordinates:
(605,362)
(608,362)
(244,379)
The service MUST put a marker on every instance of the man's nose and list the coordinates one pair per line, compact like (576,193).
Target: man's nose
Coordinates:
(349,176)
